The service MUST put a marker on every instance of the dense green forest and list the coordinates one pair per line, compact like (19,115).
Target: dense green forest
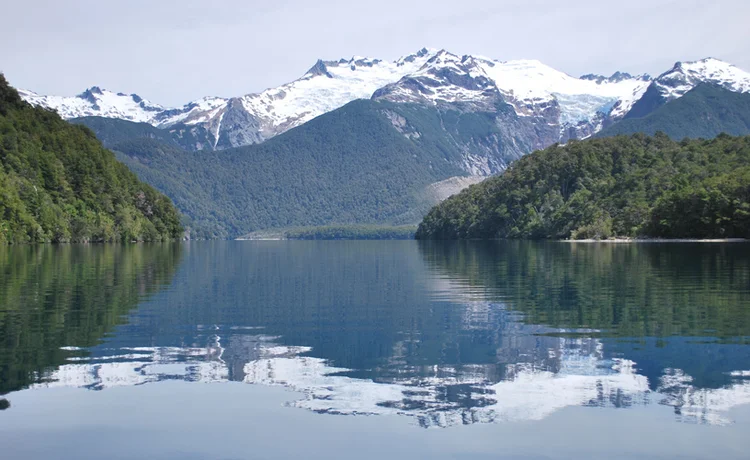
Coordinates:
(624,186)
(58,184)
(352,232)
(349,166)
(112,131)
(706,111)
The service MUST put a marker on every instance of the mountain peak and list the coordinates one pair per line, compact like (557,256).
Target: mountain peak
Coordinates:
(616,77)
(319,69)
(413,57)
(361,61)
(90,95)
(685,75)
(443,53)
(88,92)
(705,64)
(443,57)
(710,60)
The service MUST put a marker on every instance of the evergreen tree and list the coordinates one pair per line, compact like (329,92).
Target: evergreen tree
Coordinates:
(58,184)
(624,186)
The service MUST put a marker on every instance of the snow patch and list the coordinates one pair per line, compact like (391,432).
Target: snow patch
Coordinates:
(685,76)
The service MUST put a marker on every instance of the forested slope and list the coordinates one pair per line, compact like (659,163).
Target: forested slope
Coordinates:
(624,186)
(349,166)
(58,184)
(706,111)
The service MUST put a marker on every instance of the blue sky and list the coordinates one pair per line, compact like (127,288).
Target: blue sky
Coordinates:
(172,52)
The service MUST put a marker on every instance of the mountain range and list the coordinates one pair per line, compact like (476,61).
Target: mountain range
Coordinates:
(571,107)
(389,139)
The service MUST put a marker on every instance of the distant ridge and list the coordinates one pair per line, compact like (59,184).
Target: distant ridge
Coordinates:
(575,107)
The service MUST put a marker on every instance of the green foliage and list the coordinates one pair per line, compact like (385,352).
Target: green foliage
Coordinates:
(112,130)
(705,111)
(58,184)
(613,187)
(352,232)
(349,166)
(717,206)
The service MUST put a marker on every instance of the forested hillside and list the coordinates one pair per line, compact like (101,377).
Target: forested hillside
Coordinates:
(624,186)
(373,161)
(58,184)
(349,166)
(336,232)
(112,131)
(705,111)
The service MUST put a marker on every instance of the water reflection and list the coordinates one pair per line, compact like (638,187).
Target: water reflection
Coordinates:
(443,395)
(448,334)
(54,297)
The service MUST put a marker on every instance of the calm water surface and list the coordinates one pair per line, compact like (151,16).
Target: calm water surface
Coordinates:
(375,349)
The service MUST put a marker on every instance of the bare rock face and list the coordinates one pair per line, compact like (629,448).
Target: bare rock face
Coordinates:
(402,125)
(488,133)
(442,190)
(615,78)
(192,137)
(238,127)
(491,128)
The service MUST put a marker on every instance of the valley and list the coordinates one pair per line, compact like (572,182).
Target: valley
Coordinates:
(285,230)
(364,141)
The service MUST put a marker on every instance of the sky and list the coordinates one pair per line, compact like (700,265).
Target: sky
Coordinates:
(172,52)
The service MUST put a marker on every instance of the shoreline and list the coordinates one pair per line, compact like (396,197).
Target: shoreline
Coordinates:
(660,240)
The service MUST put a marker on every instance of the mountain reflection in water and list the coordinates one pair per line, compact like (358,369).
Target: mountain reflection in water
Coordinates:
(447,333)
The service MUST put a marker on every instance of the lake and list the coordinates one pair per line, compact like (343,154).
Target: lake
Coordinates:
(373,349)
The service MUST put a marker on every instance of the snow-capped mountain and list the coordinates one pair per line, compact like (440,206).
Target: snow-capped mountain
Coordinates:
(544,100)
(525,84)
(684,76)
(98,102)
(328,85)
(530,87)
(252,118)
